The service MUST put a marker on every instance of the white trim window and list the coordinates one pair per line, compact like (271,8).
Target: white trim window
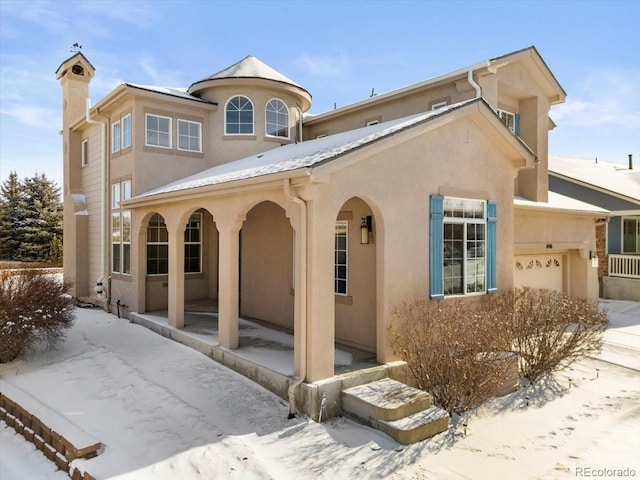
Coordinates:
(157,246)
(464,246)
(126,131)
(189,136)
(157,131)
(238,116)
(509,119)
(193,244)
(341,259)
(276,119)
(84,152)
(631,235)
(120,229)
(115,137)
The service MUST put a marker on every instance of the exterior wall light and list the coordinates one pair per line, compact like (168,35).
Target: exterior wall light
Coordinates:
(365,229)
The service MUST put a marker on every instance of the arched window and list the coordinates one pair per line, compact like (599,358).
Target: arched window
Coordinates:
(239,116)
(277,119)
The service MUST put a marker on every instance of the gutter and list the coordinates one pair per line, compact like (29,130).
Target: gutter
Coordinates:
(102,184)
(286,184)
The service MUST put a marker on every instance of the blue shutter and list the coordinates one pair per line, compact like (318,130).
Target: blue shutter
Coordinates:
(492,208)
(516,127)
(436,212)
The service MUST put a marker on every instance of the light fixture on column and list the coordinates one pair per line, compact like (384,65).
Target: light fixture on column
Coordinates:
(365,229)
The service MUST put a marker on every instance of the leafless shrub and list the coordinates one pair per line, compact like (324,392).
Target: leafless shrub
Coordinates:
(550,330)
(33,307)
(452,349)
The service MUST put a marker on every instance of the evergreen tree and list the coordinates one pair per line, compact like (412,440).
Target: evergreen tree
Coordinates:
(11,217)
(41,210)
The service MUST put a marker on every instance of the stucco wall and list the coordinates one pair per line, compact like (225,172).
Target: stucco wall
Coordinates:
(538,231)
(266,266)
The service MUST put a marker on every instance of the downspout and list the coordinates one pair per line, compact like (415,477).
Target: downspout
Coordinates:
(299,112)
(302,293)
(474,84)
(102,187)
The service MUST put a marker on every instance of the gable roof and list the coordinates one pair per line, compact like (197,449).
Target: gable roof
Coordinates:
(614,179)
(313,153)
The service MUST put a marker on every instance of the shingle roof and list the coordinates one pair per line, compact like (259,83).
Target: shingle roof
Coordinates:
(613,177)
(300,155)
(249,67)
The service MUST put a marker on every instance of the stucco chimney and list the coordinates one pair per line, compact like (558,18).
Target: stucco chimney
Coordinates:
(630,161)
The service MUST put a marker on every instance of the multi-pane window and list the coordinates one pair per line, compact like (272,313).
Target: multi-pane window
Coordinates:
(463,253)
(189,136)
(120,229)
(510,120)
(192,244)
(115,136)
(126,131)
(84,152)
(631,235)
(158,131)
(277,119)
(239,116)
(341,257)
(157,246)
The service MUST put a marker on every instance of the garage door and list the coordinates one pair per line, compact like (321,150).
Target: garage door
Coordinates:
(538,271)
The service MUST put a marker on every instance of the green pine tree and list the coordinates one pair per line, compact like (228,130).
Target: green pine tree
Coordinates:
(42,212)
(11,217)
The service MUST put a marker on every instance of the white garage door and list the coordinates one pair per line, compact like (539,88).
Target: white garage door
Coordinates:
(538,271)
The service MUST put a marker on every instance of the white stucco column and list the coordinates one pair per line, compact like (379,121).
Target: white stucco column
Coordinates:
(229,285)
(139,265)
(176,273)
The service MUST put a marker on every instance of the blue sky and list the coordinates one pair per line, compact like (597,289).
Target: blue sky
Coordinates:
(338,51)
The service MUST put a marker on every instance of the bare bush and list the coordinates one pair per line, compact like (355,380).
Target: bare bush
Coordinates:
(550,330)
(33,307)
(451,349)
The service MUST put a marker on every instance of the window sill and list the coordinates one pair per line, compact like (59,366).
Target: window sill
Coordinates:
(238,136)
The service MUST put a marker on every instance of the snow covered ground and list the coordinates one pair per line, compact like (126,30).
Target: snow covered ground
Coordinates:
(164,411)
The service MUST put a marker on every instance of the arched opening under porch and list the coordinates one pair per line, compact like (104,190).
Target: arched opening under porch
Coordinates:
(355,286)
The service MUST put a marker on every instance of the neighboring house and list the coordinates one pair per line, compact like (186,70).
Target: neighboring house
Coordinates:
(615,187)
(318,224)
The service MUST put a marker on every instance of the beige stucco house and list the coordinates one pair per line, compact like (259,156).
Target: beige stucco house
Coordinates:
(230,190)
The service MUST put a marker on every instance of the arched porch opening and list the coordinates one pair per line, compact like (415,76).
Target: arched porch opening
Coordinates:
(266,267)
(355,285)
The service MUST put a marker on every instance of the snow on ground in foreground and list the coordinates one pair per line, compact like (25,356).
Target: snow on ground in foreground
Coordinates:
(164,411)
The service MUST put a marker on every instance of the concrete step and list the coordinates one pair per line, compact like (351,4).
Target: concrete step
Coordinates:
(416,427)
(404,413)
(384,399)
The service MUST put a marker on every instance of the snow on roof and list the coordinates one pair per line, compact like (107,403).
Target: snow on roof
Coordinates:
(559,203)
(613,177)
(175,92)
(300,155)
(250,67)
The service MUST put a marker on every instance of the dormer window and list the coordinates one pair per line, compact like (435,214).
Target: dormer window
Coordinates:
(238,116)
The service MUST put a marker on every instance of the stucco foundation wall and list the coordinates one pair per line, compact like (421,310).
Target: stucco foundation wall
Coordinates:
(617,288)
(266,266)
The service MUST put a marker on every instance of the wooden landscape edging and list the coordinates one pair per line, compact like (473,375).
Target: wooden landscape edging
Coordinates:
(52,445)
